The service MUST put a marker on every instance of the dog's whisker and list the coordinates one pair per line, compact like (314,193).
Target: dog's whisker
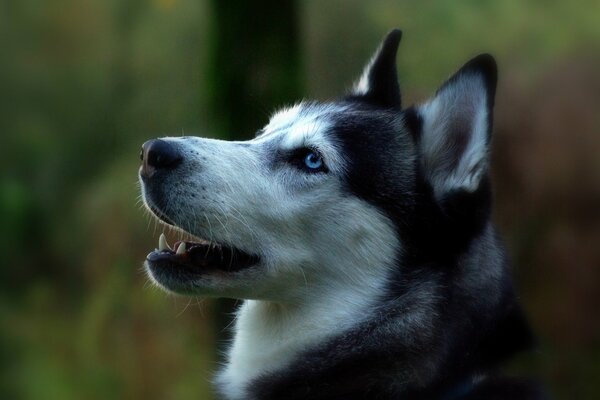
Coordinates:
(185,308)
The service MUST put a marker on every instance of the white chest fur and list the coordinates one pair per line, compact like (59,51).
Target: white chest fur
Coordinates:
(268,336)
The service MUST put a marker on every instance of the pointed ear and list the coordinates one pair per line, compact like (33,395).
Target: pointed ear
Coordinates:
(456,128)
(378,83)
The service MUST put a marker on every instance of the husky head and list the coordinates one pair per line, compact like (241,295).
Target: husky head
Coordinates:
(327,194)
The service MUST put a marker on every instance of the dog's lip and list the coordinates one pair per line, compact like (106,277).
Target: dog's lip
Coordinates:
(199,257)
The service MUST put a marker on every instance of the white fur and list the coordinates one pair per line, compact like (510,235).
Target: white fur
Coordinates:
(362,86)
(282,119)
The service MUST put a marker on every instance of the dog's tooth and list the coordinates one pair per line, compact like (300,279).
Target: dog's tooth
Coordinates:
(162,243)
(181,248)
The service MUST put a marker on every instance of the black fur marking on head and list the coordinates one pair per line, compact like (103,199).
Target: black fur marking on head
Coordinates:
(413,122)
(383,167)
(380,158)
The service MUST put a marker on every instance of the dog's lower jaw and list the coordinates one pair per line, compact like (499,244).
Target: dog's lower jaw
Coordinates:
(269,335)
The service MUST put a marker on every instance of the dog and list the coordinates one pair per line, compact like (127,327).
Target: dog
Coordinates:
(358,234)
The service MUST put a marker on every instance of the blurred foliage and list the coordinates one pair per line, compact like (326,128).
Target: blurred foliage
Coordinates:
(84,82)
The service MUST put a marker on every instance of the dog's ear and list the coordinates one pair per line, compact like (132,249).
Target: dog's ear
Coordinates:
(378,83)
(456,128)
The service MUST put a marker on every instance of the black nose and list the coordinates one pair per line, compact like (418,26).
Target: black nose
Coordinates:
(159,154)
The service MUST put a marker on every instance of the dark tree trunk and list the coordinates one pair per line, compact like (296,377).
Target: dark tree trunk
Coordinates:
(255,62)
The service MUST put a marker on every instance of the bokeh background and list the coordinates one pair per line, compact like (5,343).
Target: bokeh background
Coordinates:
(84,82)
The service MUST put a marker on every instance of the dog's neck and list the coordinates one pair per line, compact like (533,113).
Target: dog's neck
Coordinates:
(269,335)
(326,295)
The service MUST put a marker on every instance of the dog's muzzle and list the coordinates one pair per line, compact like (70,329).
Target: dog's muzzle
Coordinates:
(176,267)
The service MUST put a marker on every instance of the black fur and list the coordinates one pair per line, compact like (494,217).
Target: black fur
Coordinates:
(440,325)
(384,90)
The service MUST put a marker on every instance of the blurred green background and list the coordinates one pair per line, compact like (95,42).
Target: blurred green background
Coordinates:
(84,82)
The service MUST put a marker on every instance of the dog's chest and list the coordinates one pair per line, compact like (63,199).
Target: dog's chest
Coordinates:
(269,338)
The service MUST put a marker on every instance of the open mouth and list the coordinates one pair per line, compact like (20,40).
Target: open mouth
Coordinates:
(196,258)
(177,268)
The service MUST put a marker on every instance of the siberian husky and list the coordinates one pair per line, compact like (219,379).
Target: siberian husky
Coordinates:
(358,234)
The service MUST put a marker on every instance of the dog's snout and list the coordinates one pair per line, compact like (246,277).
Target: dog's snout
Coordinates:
(159,154)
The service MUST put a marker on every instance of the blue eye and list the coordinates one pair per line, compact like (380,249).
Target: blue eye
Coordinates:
(313,161)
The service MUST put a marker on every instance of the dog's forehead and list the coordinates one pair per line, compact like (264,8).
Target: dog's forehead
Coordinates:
(341,131)
(304,124)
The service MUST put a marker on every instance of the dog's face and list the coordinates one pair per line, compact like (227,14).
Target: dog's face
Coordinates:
(323,195)
(279,207)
